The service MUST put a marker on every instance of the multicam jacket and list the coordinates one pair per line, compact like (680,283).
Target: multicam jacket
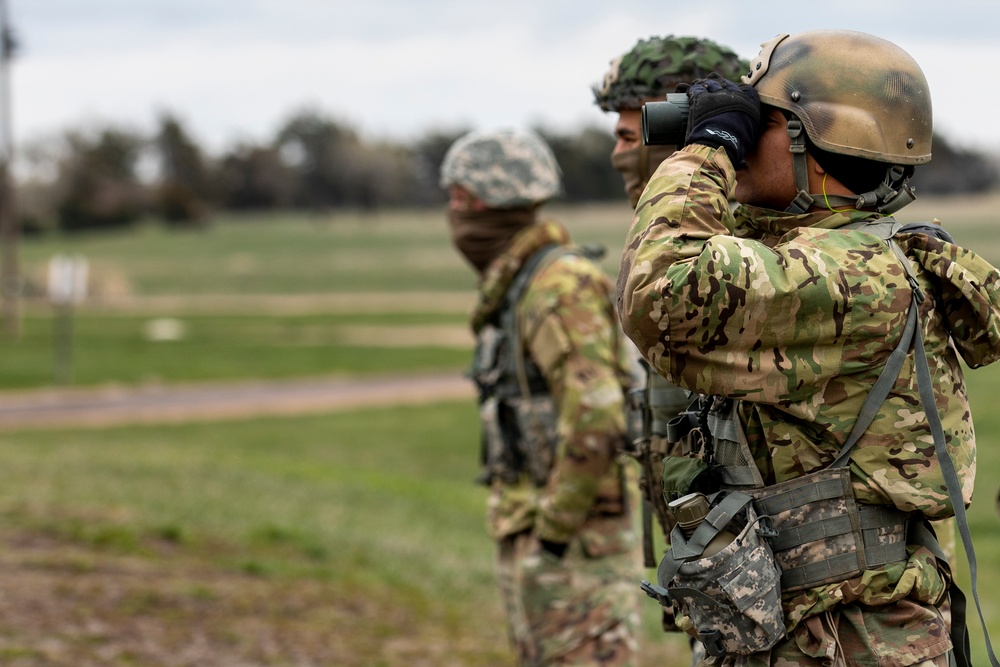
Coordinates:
(796,316)
(569,327)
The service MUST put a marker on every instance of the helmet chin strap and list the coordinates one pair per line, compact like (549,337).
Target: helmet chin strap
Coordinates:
(891,195)
(803,200)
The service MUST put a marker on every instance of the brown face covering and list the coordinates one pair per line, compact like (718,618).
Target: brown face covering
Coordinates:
(482,235)
(636,165)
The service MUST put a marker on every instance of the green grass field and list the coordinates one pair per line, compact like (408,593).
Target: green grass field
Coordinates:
(352,538)
(374,507)
(276,297)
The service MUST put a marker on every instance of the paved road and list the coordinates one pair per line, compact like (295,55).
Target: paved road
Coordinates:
(157,404)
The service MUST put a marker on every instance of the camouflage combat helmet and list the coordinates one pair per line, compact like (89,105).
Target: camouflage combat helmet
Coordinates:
(654,66)
(851,94)
(505,168)
(855,93)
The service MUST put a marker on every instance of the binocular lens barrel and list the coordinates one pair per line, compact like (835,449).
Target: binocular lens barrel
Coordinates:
(665,123)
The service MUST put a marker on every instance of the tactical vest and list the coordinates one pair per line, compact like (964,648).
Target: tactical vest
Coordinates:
(516,408)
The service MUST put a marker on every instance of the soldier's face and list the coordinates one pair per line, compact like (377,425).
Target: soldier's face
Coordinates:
(768,180)
(628,130)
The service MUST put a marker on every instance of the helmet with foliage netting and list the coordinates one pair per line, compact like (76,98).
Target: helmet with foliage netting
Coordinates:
(654,67)
(856,94)
(504,168)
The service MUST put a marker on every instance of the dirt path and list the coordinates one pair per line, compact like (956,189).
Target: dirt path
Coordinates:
(96,407)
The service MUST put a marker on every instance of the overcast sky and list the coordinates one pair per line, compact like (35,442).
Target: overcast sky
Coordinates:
(234,70)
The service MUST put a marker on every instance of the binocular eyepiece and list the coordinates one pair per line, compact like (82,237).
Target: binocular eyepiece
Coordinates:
(665,123)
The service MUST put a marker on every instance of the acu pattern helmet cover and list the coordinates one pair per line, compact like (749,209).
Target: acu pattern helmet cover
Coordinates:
(855,93)
(654,67)
(503,168)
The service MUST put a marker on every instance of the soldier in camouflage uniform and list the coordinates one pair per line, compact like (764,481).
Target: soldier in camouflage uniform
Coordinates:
(788,309)
(647,72)
(550,365)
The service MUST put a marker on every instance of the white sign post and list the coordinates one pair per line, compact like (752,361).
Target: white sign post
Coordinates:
(67,287)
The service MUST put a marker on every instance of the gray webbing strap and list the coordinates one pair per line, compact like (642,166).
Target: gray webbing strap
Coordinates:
(812,531)
(648,554)
(509,317)
(921,533)
(802,495)
(880,390)
(797,145)
(682,549)
(925,388)
(834,567)
(885,229)
(954,486)
(738,476)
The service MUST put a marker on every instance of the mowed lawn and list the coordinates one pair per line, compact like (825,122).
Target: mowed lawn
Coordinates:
(352,538)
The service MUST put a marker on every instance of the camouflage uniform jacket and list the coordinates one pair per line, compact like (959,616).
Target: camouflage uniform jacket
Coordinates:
(797,317)
(569,327)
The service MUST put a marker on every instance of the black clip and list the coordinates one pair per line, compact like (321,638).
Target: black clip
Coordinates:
(712,639)
(765,527)
(658,593)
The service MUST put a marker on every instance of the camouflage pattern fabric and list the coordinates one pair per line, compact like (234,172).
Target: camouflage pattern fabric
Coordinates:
(505,169)
(585,613)
(796,316)
(654,66)
(581,608)
(855,93)
(844,638)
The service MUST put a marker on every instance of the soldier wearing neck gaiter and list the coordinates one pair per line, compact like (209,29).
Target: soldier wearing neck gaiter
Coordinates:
(550,366)
(647,72)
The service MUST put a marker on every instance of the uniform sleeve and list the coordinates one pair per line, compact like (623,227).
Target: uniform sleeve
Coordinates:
(684,206)
(570,330)
(719,314)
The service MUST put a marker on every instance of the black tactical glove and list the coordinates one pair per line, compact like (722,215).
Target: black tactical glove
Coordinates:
(723,114)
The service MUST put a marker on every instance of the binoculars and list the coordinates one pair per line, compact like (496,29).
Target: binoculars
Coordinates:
(665,123)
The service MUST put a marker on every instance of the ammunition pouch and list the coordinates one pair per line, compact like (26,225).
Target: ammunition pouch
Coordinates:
(823,534)
(733,597)
(519,436)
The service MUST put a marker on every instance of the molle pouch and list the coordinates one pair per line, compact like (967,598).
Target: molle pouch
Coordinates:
(498,458)
(681,475)
(537,426)
(732,599)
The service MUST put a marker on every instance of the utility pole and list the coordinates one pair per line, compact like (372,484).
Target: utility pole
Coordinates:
(10,277)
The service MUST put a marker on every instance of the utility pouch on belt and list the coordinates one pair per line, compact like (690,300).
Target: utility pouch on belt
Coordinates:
(732,597)
(499,459)
(535,440)
(824,536)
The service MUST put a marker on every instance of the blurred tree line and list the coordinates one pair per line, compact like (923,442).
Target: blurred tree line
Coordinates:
(112,177)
